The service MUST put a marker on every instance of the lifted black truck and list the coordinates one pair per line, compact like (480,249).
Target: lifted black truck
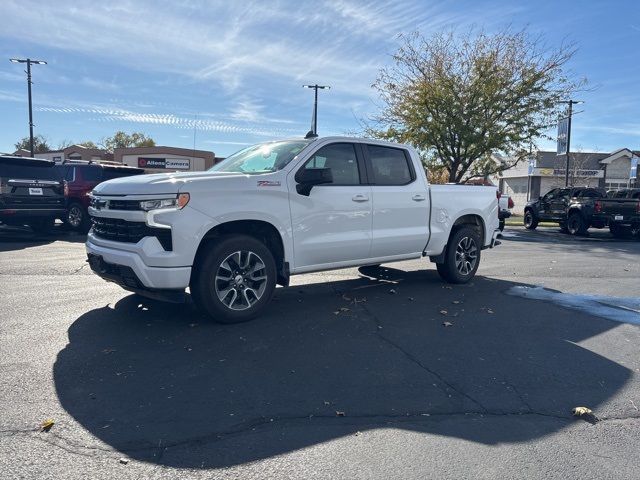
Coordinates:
(572,208)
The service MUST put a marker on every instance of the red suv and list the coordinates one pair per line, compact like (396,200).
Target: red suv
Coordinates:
(81,178)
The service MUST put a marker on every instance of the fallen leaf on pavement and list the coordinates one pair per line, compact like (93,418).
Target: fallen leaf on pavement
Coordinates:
(108,350)
(344,297)
(344,309)
(443,312)
(447,324)
(392,291)
(339,414)
(586,414)
(456,302)
(46,425)
(327,403)
(411,299)
(124,461)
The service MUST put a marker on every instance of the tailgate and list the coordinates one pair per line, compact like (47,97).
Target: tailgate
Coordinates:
(32,194)
(625,207)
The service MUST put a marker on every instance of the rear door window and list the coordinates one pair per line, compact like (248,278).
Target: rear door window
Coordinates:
(111,173)
(17,171)
(389,166)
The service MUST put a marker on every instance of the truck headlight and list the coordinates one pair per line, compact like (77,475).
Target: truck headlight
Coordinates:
(164,203)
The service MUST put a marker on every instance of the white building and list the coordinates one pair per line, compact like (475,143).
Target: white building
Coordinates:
(165,159)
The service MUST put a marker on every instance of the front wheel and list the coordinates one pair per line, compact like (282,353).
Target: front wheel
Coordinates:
(530,220)
(234,279)
(462,257)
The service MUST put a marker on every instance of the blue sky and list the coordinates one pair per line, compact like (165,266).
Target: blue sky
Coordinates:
(234,70)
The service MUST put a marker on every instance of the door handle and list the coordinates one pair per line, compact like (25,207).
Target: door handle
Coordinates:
(360,198)
(418,198)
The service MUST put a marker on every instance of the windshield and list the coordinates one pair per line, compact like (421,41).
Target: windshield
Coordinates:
(262,158)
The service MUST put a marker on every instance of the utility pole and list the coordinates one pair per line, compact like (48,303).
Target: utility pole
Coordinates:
(314,118)
(571,103)
(28,61)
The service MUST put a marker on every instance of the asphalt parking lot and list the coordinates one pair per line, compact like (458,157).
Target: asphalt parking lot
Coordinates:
(349,374)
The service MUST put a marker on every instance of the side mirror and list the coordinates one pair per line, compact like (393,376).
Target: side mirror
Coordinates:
(307,178)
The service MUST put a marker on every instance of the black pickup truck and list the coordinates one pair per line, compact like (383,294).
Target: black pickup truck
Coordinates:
(620,211)
(572,208)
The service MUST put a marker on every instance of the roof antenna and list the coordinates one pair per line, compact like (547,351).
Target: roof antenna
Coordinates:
(313,133)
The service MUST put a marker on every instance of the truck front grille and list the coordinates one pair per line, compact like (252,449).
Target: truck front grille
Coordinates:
(119,230)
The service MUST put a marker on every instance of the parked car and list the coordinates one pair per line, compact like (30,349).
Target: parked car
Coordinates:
(31,193)
(81,178)
(620,211)
(572,208)
(505,204)
(279,209)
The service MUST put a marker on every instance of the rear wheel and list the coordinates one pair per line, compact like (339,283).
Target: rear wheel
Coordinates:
(462,258)
(234,280)
(77,218)
(576,224)
(530,220)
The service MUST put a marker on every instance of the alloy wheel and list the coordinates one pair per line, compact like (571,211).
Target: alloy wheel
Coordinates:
(241,280)
(74,216)
(466,255)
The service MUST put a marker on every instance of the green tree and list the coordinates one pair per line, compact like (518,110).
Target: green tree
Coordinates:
(122,139)
(40,144)
(87,144)
(461,98)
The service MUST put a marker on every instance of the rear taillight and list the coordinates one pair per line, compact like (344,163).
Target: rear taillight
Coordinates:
(510,203)
(66,188)
(498,194)
(638,207)
(597,208)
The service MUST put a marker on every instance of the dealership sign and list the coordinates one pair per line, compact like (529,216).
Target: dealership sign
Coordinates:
(165,163)
(559,172)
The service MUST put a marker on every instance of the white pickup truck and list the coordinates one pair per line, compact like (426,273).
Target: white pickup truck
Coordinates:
(278,209)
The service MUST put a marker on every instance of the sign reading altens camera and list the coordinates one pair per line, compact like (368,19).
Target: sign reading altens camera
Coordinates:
(167,163)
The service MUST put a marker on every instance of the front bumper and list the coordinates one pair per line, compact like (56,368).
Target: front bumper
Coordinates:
(127,279)
(156,278)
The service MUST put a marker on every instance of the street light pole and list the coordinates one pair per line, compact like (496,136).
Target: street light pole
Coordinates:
(314,119)
(28,61)
(571,103)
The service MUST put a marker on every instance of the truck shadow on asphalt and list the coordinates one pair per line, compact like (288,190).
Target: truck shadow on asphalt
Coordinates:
(20,238)
(327,360)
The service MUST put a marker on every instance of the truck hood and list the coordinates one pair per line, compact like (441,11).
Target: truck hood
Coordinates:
(158,183)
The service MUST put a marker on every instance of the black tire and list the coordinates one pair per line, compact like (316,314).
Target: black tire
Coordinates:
(501,224)
(635,231)
(530,220)
(229,265)
(617,231)
(576,224)
(462,257)
(77,218)
(42,226)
